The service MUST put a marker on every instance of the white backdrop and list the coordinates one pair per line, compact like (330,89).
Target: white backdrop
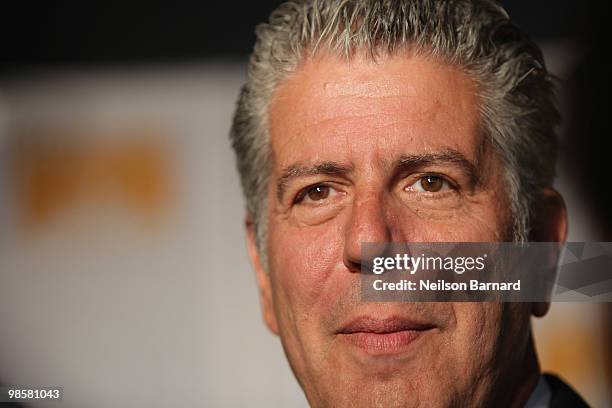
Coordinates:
(118,315)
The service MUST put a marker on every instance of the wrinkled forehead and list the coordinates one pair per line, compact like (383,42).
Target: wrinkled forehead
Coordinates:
(361,108)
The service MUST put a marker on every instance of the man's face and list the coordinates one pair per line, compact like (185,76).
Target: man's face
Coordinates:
(382,151)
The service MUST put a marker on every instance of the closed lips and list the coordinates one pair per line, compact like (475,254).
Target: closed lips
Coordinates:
(383,336)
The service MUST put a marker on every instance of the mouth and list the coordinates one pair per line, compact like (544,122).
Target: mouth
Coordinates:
(383,336)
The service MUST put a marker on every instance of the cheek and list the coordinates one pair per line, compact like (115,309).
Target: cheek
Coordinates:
(474,227)
(481,221)
(477,340)
(475,316)
(302,261)
(460,227)
(478,331)
(488,336)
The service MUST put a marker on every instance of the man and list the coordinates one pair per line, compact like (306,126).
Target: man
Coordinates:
(396,121)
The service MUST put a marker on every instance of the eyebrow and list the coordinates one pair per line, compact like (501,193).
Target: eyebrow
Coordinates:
(404,164)
(452,157)
(294,171)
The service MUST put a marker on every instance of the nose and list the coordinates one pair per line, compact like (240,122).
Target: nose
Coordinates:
(367,223)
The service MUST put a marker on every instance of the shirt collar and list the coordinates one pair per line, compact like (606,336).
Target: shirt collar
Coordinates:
(540,397)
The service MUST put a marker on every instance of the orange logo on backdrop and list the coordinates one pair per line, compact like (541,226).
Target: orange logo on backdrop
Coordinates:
(53,173)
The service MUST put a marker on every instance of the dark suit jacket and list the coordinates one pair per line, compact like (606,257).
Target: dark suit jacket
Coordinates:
(562,395)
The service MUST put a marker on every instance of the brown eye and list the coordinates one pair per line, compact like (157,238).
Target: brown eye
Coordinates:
(318,193)
(432,184)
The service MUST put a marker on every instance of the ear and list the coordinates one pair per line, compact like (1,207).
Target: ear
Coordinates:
(263,279)
(549,225)
(550,218)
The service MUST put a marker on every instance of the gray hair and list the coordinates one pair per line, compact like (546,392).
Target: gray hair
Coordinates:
(518,112)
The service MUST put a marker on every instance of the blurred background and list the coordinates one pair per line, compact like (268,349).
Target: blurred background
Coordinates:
(123,270)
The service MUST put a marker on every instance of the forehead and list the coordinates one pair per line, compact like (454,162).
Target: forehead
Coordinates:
(334,109)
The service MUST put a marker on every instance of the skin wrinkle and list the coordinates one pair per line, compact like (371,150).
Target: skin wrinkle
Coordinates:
(346,105)
(387,87)
(376,117)
(300,170)
(314,250)
(405,163)
(331,168)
